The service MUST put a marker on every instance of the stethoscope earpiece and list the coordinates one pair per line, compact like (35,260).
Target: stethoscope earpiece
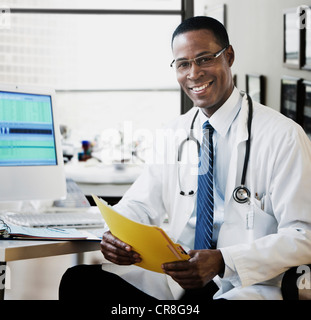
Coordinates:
(190,193)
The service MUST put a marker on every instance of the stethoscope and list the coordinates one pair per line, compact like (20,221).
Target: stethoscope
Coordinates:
(241,194)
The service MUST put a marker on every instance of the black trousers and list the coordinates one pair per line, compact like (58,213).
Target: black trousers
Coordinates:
(90,282)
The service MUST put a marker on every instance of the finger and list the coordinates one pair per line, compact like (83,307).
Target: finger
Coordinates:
(108,247)
(118,255)
(110,238)
(176,266)
(120,260)
(110,250)
(117,252)
(187,279)
(110,242)
(181,275)
(192,253)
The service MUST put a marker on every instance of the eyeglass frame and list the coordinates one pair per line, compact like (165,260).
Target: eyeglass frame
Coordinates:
(212,55)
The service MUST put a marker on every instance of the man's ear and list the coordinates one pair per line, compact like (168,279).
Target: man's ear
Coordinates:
(230,55)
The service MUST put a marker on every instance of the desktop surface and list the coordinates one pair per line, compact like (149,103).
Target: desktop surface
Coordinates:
(12,250)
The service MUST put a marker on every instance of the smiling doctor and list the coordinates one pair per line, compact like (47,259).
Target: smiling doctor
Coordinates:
(257,233)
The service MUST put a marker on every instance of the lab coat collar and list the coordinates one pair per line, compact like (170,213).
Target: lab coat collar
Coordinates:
(222,119)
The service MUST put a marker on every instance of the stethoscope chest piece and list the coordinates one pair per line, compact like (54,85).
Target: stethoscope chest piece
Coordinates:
(241,194)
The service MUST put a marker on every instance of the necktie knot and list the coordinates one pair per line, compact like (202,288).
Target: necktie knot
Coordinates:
(208,126)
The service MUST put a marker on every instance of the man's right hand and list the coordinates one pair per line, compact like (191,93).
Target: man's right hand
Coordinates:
(117,251)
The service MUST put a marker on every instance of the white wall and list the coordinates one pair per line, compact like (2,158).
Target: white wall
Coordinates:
(255,30)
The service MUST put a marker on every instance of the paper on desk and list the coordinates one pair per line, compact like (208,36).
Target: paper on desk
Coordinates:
(48,233)
(151,242)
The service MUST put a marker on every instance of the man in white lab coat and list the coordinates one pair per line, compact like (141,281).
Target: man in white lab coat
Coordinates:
(255,241)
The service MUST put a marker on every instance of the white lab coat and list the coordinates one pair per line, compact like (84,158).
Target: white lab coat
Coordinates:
(277,238)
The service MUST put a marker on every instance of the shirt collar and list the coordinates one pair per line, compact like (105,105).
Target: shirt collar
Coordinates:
(222,119)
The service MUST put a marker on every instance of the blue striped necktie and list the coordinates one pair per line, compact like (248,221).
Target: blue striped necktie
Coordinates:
(205,196)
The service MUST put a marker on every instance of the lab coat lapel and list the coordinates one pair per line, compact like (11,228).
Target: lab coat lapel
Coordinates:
(238,152)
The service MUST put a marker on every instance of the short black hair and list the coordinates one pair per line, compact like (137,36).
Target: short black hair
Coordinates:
(202,22)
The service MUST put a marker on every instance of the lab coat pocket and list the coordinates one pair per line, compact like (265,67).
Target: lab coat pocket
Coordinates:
(262,222)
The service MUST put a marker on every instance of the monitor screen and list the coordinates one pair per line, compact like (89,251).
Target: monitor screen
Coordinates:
(31,164)
(26,130)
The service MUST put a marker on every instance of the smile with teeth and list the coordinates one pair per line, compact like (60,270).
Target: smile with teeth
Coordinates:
(204,86)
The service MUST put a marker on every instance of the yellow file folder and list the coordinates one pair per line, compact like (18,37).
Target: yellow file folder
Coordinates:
(151,242)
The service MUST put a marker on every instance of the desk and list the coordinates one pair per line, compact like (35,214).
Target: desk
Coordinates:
(12,250)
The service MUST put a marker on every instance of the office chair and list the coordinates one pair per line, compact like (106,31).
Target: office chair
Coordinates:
(296,283)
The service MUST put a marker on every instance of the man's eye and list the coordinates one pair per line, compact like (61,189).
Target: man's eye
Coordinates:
(183,64)
(203,60)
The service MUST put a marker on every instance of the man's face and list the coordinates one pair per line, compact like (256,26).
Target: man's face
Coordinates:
(207,86)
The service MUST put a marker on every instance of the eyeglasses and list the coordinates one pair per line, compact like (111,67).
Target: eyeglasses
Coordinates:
(205,60)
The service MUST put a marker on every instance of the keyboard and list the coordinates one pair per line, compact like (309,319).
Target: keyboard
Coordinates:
(58,219)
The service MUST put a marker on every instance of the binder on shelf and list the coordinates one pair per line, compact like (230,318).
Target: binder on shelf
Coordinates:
(151,242)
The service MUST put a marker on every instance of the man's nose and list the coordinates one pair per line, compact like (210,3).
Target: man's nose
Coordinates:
(194,72)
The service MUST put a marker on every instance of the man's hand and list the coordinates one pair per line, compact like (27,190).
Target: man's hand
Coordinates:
(201,268)
(117,251)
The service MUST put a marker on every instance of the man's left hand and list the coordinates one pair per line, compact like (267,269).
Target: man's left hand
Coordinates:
(200,269)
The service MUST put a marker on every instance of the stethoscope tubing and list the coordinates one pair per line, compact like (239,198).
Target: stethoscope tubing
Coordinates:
(241,194)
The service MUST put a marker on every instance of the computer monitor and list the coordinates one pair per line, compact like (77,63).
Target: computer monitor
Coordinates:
(31,161)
